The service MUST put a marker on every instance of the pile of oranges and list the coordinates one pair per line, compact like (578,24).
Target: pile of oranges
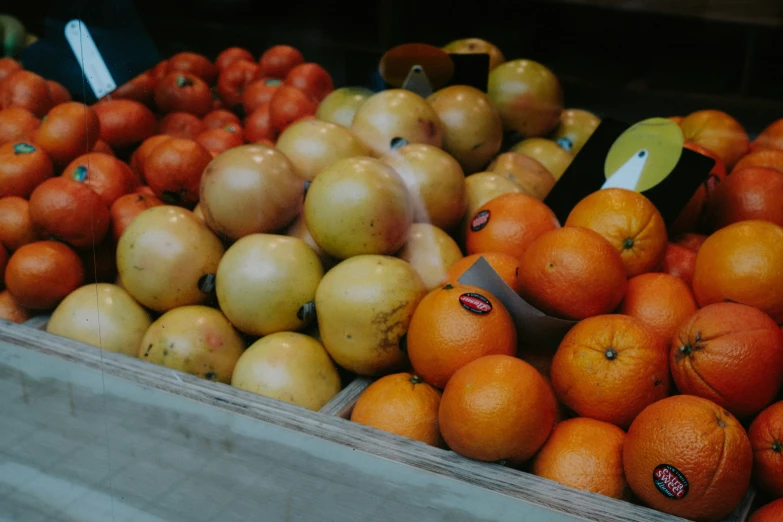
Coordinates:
(246,202)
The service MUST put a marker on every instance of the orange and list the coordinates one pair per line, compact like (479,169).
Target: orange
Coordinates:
(173,170)
(125,123)
(506,266)
(772,512)
(731,354)
(23,166)
(749,193)
(192,63)
(233,80)
(766,437)
(140,154)
(742,262)
(661,301)
(39,275)
(108,176)
(771,137)
(139,88)
(58,93)
(7,66)
(69,130)
(572,273)
(220,118)
(64,209)
(688,457)
(11,310)
(231,55)
(509,224)
(17,123)
(183,92)
(585,454)
(455,325)
(181,125)
(497,408)
(259,92)
(402,404)
(679,261)
(770,158)
(610,368)
(718,132)
(219,140)
(629,221)
(16,227)
(258,125)
(27,90)
(102,146)
(278,60)
(126,208)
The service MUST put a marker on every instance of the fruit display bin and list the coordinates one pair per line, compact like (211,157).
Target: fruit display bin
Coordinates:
(89,435)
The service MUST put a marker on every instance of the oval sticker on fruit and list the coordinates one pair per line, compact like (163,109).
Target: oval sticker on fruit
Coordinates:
(670,481)
(476,303)
(644,155)
(479,221)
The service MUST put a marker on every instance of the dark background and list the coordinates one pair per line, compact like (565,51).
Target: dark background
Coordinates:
(627,59)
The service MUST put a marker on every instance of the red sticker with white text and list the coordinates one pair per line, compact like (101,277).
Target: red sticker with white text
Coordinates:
(670,482)
(479,221)
(476,303)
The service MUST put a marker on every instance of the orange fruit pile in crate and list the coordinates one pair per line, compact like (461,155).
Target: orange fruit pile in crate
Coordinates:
(246,222)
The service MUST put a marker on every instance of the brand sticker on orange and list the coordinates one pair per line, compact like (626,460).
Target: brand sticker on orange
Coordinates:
(476,303)
(670,481)
(479,221)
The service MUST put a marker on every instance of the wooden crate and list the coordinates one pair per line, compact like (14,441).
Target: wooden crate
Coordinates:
(87,435)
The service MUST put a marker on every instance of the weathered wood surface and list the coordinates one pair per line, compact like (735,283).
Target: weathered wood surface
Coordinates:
(90,435)
(342,404)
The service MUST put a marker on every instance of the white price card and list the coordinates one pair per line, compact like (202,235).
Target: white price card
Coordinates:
(90,60)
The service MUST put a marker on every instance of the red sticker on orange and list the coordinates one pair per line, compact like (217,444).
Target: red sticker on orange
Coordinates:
(670,482)
(476,303)
(479,221)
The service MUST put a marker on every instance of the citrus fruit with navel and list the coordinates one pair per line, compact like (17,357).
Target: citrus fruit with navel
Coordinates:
(250,189)
(572,273)
(629,221)
(167,258)
(548,153)
(102,315)
(534,179)
(731,354)
(394,114)
(454,325)
(688,457)
(341,105)
(358,206)
(435,182)
(313,145)
(575,128)
(290,367)
(585,454)
(472,128)
(193,339)
(497,408)
(509,224)
(431,252)
(505,265)
(364,306)
(266,283)
(609,368)
(527,95)
(742,262)
(766,437)
(402,404)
